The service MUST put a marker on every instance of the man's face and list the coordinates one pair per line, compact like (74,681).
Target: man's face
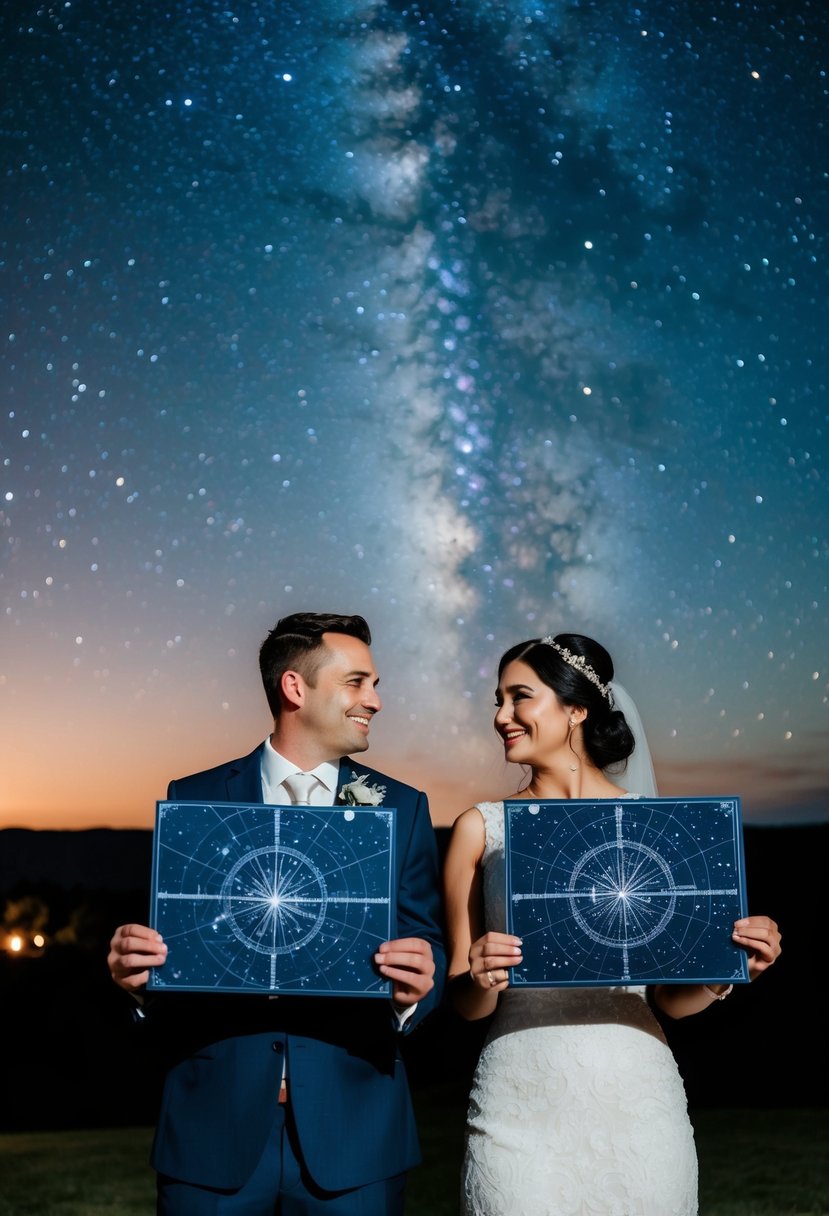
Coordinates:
(337,711)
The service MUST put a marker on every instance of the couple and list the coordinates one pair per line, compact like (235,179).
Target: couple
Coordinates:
(301,1106)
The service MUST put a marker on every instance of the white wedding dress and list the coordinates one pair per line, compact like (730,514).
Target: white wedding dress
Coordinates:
(577,1107)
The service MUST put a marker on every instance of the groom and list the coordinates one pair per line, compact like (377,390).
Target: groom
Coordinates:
(297,1104)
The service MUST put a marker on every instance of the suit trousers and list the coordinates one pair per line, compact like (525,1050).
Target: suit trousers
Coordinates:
(280,1186)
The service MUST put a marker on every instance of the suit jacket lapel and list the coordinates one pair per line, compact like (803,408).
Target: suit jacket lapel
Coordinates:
(344,774)
(244,781)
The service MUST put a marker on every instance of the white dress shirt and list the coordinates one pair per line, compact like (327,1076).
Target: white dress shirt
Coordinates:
(275,768)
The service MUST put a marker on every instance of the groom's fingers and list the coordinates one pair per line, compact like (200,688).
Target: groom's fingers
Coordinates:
(133,950)
(415,947)
(411,953)
(409,964)
(408,987)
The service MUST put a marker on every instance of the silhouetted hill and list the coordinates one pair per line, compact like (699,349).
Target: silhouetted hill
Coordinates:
(120,859)
(117,860)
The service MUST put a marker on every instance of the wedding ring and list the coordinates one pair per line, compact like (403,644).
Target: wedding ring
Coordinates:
(492,979)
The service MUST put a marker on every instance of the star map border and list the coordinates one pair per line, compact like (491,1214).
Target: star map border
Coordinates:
(625,891)
(272,898)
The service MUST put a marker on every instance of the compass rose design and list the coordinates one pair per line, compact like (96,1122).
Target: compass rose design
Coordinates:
(622,894)
(275,901)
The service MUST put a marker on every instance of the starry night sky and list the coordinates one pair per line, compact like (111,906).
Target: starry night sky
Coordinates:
(485,320)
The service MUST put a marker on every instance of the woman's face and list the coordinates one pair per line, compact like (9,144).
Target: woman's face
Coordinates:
(531,720)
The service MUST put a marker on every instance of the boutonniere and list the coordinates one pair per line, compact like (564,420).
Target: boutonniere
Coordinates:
(359,793)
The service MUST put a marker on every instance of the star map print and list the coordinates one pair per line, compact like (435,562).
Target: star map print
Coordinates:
(262,898)
(625,891)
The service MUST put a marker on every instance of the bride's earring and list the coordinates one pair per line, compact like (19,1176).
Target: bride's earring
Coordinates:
(574,768)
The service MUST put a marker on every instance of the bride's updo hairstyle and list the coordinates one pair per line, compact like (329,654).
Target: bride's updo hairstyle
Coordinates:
(607,736)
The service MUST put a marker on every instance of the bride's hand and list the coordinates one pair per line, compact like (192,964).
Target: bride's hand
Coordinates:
(490,958)
(761,938)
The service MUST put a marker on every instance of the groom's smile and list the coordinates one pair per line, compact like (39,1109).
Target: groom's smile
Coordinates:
(341,703)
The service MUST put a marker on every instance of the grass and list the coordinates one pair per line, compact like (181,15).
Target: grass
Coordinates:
(763,1162)
(77,1173)
(757,1162)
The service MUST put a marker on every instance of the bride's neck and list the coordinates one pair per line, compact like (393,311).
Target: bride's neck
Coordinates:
(561,781)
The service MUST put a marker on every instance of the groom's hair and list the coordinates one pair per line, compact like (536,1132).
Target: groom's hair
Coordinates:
(295,644)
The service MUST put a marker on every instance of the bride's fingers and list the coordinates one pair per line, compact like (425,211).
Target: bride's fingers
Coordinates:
(492,944)
(495,962)
(500,954)
(493,978)
(494,971)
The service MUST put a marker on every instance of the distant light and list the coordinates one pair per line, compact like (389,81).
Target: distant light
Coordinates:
(15,943)
(286,76)
(39,940)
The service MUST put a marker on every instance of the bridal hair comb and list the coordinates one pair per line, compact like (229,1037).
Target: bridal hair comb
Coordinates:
(580,664)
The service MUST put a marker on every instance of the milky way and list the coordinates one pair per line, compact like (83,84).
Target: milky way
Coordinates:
(486,320)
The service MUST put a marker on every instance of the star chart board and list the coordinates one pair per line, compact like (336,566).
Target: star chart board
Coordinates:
(634,891)
(277,899)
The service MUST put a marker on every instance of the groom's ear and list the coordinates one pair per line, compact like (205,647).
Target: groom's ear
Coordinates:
(292,688)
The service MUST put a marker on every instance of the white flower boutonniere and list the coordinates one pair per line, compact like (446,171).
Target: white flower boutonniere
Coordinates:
(359,793)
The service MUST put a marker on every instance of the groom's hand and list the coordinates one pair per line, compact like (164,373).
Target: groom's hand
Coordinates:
(409,964)
(132,951)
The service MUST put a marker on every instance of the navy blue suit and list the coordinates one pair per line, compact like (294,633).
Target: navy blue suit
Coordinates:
(348,1088)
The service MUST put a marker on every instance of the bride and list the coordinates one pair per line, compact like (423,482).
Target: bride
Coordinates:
(577,1106)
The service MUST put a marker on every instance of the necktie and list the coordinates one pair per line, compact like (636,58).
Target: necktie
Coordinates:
(299,786)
